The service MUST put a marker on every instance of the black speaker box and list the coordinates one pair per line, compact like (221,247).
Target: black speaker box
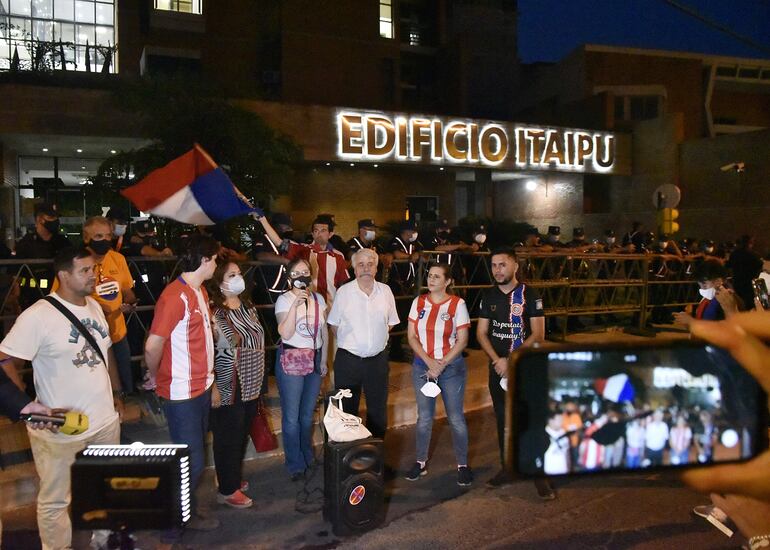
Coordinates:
(354,493)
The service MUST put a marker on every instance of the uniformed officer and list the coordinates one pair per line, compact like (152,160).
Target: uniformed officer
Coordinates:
(405,249)
(553,238)
(578,242)
(43,243)
(119,220)
(366,238)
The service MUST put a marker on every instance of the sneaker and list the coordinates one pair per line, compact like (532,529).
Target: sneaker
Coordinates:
(464,476)
(500,479)
(707,510)
(416,472)
(201,523)
(236,500)
(544,489)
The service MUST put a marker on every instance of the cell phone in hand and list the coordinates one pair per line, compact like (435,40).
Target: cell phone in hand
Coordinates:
(760,292)
(579,410)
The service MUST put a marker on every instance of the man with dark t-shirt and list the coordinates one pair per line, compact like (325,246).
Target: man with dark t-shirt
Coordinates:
(511,317)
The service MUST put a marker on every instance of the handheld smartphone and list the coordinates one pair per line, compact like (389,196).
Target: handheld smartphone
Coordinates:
(760,292)
(618,408)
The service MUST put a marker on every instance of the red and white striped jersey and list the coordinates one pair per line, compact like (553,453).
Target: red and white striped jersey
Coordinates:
(437,324)
(183,318)
(329,266)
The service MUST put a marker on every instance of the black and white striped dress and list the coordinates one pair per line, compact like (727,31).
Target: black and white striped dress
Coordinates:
(240,353)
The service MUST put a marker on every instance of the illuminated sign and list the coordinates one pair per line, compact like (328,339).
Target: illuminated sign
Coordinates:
(379,137)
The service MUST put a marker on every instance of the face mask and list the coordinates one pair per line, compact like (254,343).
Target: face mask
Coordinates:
(100,247)
(413,237)
(481,238)
(120,230)
(610,240)
(302,282)
(369,235)
(52,226)
(233,286)
(430,389)
(504,384)
(709,249)
(662,244)
(553,238)
(708,293)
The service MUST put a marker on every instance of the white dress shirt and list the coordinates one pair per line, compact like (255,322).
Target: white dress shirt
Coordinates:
(363,321)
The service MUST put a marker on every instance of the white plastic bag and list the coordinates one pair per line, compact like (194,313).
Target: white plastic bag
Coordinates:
(341,426)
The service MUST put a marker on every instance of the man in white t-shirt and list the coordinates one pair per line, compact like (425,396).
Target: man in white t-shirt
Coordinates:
(69,374)
(556,458)
(361,317)
(656,437)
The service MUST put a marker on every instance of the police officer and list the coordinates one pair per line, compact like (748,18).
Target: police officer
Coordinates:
(405,249)
(273,270)
(367,233)
(553,237)
(43,243)
(578,242)
(119,220)
(609,243)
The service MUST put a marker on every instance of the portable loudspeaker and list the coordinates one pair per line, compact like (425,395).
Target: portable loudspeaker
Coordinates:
(353,485)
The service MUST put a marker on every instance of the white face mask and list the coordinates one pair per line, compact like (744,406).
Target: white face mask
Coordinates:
(553,238)
(120,230)
(708,293)
(369,235)
(663,244)
(610,240)
(413,237)
(430,389)
(709,249)
(481,238)
(233,286)
(504,384)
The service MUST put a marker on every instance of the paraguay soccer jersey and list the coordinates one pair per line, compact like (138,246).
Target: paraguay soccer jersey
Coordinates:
(182,317)
(436,325)
(329,266)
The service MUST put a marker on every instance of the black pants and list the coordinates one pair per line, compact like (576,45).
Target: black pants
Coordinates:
(371,375)
(498,404)
(230,425)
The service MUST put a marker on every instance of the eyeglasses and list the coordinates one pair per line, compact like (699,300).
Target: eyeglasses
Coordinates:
(299,274)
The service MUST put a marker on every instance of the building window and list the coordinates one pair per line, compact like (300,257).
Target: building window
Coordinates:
(638,107)
(44,35)
(183,6)
(386,18)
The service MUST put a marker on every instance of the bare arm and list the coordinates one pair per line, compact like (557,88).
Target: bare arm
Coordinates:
(112,368)
(537,327)
(153,350)
(481,335)
(457,349)
(11,366)
(270,232)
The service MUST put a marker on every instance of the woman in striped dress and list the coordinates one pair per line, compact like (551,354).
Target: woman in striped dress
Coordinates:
(438,333)
(239,368)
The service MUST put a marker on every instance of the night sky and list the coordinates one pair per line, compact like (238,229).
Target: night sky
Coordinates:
(551,29)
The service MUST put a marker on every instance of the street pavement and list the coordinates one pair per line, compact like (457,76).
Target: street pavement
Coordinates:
(646,511)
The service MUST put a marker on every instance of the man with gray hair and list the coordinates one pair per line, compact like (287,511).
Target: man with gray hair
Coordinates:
(361,317)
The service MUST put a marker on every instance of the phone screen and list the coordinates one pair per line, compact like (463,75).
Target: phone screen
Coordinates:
(760,292)
(588,410)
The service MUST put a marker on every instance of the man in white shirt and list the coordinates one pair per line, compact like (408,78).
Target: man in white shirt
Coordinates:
(361,317)
(656,437)
(69,374)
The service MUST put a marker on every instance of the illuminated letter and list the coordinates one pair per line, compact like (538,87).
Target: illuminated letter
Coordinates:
(417,125)
(585,148)
(450,143)
(436,140)
(605,150)
(521,146)
(374,123)
(487,135)
(554,148)
(473,141)
(351,130)
(403,144)
(535,136)
(568,138)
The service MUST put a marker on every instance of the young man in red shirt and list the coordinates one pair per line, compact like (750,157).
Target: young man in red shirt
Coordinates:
(179,354)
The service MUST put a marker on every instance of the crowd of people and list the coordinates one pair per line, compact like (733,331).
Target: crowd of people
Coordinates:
(649,438)
(205,348)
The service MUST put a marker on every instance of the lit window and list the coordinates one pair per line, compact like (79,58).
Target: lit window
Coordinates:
(183,6)
(386,18)
(45,35)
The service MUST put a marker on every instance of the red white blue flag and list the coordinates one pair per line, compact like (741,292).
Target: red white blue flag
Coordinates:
(190,189)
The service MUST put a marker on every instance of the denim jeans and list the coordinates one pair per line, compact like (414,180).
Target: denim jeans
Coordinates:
(298,399)
(122,353)
(188,423)
(452,384)
(634,460)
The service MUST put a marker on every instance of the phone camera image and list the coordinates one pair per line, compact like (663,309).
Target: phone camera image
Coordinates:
(586,411)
